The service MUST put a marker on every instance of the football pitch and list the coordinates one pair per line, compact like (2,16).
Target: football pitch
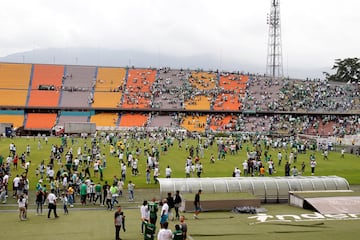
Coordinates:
(279,222)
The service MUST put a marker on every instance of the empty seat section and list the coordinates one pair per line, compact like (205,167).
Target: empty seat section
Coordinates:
(46,83)
(74,119)
(203,80)
(163,121)
(105,119)
(138,88)
(77,86)
(14,84)
(199,102)
(194,123)
(133,120)
(109,87)
(40,121)
(16,117)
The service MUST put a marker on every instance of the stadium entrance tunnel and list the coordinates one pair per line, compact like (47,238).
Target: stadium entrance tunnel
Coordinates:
(267,189)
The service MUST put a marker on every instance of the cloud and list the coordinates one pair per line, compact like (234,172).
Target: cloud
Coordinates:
(314,33)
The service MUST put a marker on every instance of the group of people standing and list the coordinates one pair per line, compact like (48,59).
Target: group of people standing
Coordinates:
(149,215)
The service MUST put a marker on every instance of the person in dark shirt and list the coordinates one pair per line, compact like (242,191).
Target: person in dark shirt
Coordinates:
(177,204)
(170,202)
(197,204)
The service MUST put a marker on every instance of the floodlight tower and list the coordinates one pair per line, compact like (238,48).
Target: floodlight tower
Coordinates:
(274,66)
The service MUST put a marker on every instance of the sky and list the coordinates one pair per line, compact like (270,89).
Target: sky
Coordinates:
(314,32)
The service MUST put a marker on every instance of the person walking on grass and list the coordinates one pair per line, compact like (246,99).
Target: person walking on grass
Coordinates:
(144,211)
(197,204)
(131,187)
(52,203)
(177,203)
(22,207)
(119,221)
(183,226)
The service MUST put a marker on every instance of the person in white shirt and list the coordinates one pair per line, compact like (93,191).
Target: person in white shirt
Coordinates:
(237,172)
(145,215)
(164,233)
(51,174)
(187,170)
(245,167)
(168,172)
(16,182)
(52,203)
(156,175)
(22,207)
(164,212)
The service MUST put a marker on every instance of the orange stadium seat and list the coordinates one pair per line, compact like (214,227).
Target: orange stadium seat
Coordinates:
(226,101)
(203,80)
(220,123)
(16,120)
(40,121)
(105,119)
(14,84)
(198,103)
(46,75)
(194,123)
(236,83)
(138,88)
(133,120)
(109,87)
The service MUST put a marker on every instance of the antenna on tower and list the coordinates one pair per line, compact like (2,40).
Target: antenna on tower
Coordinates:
(274,66)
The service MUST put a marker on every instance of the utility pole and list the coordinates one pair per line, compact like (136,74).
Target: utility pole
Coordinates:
(274,66)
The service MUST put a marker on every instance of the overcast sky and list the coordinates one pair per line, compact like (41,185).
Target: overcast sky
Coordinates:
(314,32)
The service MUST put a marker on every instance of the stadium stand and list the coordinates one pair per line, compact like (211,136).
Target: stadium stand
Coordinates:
(72,116)
(133,120)
(137,93)
(15,117)
(176,98)
(105,119)
(222,122)
(78,85)
(14,83)
(40,121)
(169,89)
(163,121)
(199,102)
(109,87)
(194,123)
(46,84)
(203,80)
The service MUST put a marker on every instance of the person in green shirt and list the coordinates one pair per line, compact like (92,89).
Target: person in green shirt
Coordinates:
(98,188)
(83,192)
(101,173)
(150,230)
(177,234)
(153,208)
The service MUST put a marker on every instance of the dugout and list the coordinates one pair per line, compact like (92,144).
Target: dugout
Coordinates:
(268,189)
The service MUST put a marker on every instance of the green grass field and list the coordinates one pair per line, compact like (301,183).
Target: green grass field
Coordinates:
(84,223)
(98,225)
(175,158)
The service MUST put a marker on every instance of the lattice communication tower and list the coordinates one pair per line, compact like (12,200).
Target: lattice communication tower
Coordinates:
(274,66)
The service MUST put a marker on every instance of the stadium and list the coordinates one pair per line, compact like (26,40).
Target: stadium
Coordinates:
(284,151)
(39,98)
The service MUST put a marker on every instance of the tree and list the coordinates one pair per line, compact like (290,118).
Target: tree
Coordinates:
(347,70)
